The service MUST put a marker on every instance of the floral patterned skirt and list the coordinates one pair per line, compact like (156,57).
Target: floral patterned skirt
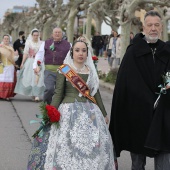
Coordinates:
(7,82)
(82,142)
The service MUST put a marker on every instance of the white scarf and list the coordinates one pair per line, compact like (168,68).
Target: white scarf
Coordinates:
(93,80)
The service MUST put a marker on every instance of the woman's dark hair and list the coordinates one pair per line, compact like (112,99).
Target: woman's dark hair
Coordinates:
(21,33)
(34,31)
(71,50)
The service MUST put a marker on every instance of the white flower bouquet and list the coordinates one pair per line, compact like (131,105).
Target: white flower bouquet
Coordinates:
(164,86)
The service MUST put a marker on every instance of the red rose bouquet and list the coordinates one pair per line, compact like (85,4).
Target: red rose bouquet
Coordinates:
(39,63)
(50,115)
(38,70)
(53,113)
(95,60)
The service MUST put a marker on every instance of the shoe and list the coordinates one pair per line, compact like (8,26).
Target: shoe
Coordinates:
(37,99)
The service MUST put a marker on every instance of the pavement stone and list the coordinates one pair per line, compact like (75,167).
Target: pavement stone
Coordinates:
(103,65)
(106,85)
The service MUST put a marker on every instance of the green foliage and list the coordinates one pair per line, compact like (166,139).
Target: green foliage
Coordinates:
(110,77)
(93,29)
(101,75)
(80,30)
(44,111)
(169,36)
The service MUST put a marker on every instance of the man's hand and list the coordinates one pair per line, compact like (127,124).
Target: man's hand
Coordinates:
(106,119)
(16,66)
(168,86)
(36,71)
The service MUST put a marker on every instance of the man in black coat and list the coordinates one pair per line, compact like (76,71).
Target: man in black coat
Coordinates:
(97,43)
(136,125)
(19,45)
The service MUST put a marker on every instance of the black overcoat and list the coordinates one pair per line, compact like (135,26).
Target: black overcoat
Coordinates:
(134,122)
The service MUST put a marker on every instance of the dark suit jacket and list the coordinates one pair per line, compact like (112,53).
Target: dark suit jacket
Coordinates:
(132,114)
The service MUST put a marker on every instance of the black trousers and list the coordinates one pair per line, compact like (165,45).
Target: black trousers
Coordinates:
(50,83)
(97,49)
(161,161)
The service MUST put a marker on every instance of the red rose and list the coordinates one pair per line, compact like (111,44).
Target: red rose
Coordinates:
(38,63)
(94,57)
(53,113)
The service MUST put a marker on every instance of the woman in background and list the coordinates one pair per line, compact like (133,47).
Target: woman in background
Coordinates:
(112,46)
(118,51)
(7,69)
(29,83)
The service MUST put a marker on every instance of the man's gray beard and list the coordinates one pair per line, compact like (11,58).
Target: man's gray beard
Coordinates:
(151,40)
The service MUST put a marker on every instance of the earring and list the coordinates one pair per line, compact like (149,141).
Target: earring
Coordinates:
(71,53)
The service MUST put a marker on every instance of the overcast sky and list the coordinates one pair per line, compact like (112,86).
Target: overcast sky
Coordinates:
(5,4)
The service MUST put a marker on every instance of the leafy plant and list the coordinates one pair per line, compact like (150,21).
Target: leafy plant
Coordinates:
(110,77)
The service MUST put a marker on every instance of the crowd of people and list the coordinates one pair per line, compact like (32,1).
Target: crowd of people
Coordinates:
(109,47)
(65,76)
(33,78)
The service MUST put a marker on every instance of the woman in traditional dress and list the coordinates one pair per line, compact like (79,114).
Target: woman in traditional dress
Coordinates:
(28,83)
(82,141)
(112,46)
(7,69)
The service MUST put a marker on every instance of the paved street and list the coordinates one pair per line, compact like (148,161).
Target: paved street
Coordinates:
(15,132)
(103,65)
(14,142)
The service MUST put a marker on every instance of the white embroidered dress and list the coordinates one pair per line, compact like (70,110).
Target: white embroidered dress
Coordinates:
(83,141)
(26,82)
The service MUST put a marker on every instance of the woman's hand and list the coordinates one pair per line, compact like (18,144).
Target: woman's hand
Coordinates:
(16,53)
(106,119)
(21,66)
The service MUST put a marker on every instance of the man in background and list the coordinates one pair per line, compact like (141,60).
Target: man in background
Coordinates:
(52,52)
(97,43)
(19,45)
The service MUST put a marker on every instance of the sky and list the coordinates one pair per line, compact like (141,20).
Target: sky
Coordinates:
(5,4)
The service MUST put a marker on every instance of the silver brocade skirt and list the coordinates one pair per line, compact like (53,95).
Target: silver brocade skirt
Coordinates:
(82,142)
